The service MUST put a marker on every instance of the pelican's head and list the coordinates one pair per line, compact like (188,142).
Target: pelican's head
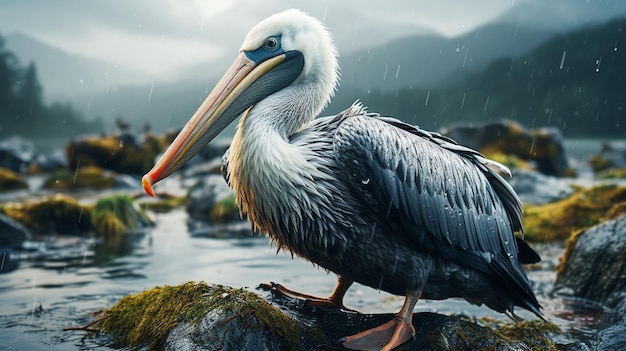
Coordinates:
(287,52)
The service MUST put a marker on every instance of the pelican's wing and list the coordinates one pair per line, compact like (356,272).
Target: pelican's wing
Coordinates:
(431,182)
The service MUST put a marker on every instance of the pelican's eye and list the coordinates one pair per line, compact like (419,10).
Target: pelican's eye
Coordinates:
(270,44)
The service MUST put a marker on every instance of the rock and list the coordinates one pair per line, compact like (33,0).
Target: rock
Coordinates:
(10,181)
(199,316)
(543,146)
(89,177)
(16,153)
(116,215)
(58,214)
(610,162)
(212,201)
(12,233)
(123,153)
(51,162)
(593,265)
(610,334)
(582,209)
(9,260)
(537,188)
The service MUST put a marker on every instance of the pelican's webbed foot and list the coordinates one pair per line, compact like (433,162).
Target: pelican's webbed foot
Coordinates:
(333,302)
(389,335)
(384,337)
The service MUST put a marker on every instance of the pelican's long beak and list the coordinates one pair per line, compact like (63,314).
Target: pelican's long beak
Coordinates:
(245,83)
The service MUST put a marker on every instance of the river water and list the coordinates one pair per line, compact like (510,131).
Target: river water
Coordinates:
(64,281)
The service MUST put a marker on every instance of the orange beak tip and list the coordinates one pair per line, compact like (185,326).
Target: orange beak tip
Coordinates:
(146,182)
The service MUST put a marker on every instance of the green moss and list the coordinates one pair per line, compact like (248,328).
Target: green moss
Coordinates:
(85,177)
(583,209)
(145,319)
(534,334)
(58,214)
(115,215)
(10,180)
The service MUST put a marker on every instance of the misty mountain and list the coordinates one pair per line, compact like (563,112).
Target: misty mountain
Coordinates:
(575,82)
(416,61)
(64,75)
(421,61)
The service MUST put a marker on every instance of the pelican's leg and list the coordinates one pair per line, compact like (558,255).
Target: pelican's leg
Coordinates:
(389,335)
(332,302)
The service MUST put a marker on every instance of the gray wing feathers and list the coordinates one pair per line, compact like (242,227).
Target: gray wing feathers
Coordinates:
(432,182)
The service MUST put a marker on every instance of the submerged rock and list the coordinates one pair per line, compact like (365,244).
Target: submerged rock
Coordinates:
(593,266)
(199,316)
(542,146)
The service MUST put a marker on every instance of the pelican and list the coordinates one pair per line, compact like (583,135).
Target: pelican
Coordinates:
(375,200)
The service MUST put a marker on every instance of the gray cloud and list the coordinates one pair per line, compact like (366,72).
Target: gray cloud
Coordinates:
(161,37)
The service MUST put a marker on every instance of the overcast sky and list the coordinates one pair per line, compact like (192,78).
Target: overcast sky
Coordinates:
(156,35)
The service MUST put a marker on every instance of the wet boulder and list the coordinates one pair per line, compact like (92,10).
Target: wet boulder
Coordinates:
(537,188)
(610,334)
(12,233)
(200,316)
(543,147)
(610,162)
(58,214)
(593,266)
(89,177)
(123,153)
(213,211)
(10,181)
(16,153)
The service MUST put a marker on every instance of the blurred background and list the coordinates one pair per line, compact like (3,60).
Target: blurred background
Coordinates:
(71,67)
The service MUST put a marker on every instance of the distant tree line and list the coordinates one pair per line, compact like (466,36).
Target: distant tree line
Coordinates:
(575,82)
(22,107)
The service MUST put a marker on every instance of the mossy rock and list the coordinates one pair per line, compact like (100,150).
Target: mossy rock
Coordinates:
(535,334)
(163,203)
(214,317)
(612,173)
(583,209)
(87,177)
(147,319)
(542,146)
(593,265)
(10,180)
(116,215)
(120,153)
(58,214)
